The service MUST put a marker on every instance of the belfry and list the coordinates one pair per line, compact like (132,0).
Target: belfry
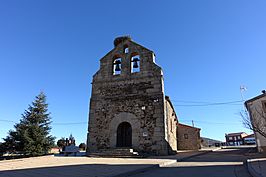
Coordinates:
(128,107)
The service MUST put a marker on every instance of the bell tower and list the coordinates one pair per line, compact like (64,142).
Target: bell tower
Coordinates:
(127,105)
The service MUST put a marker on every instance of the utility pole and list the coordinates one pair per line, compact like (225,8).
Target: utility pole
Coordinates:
(192,123)
(242,90)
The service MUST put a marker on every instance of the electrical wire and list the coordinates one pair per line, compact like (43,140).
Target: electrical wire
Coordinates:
(210,104)
(56,123)
(202,103)
(3,120)
(206,122)
(70,123)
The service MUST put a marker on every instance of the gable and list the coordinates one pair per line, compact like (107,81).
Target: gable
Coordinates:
(127,59)
(119,48)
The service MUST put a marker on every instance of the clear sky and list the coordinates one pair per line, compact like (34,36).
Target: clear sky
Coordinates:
(207,49)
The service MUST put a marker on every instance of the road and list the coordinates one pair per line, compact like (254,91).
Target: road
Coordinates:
(222,163)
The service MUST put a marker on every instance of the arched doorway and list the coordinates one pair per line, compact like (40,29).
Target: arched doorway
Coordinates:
(124,135)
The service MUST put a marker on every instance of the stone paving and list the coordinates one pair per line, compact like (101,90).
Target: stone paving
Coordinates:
(50,166)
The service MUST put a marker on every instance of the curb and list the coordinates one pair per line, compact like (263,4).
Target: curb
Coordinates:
(251,170)
(151,167)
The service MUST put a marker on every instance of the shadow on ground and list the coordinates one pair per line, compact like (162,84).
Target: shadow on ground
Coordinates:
(198,171)
(90,170)
(120,170)
(214,164)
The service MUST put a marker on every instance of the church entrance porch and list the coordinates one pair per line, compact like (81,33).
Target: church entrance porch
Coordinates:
(124,135)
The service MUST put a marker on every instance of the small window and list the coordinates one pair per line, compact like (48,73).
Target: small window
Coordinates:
(230,138)
(186,136)
(117,66)
(126,49)
(135,64)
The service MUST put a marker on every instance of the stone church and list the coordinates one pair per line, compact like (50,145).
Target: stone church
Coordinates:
(128,106)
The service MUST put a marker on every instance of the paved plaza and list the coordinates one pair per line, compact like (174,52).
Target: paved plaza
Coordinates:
(220,163)
(50,166)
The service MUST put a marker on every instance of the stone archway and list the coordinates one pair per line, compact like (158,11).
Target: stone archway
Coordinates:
(135,128)
(124,135)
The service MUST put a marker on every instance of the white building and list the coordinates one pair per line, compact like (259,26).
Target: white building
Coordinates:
(250,139)
(257,112)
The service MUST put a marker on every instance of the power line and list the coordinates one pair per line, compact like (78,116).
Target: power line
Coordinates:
(70,123)
(199,105)
(182,120)
(206,122)
(56,123)
(202,103)
(211,104)
(3,120)
(185,101)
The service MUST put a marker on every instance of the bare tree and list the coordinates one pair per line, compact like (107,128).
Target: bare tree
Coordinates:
(255,120)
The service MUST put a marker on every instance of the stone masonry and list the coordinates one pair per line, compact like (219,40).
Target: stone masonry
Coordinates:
(188,138)
(172,121)
(128,108)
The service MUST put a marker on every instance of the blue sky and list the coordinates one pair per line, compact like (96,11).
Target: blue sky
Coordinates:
(207,49)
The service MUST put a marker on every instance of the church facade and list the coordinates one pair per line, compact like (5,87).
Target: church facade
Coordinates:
(128,106)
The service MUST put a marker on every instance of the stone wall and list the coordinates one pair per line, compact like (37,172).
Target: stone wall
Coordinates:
(171,128)
(188,137)
(136,98)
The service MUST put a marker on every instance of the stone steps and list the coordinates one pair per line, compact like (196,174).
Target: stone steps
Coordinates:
(118,152)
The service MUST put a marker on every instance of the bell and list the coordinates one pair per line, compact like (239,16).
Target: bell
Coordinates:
(117,65)
(135,62)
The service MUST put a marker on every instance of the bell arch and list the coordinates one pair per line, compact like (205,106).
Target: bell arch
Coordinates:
(117,65)
(135,62)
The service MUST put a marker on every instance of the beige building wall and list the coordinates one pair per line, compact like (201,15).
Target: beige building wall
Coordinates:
(257,109)
(171,120)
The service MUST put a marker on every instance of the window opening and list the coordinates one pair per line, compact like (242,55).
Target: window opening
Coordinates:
(126,50)
(186,136)
(135,64)
(117,66)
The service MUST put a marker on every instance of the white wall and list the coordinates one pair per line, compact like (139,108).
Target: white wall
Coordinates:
(255,109)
